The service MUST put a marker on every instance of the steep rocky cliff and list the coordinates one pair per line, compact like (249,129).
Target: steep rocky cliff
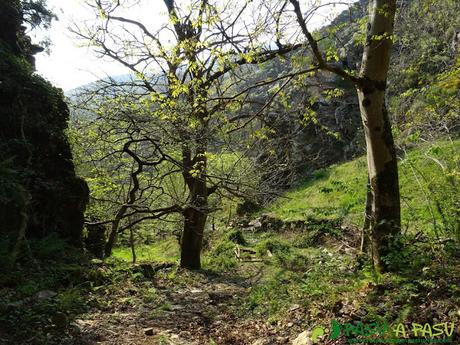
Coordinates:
(39,191)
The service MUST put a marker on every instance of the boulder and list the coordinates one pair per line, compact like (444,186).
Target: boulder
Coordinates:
(303,339)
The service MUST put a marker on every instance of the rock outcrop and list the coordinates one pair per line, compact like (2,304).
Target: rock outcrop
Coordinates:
(39,190)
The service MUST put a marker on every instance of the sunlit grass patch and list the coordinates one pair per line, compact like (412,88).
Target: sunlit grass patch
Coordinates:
(429,184)
(161,251)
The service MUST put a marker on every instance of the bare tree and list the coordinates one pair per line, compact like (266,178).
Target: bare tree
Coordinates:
(186,75)
(125,167)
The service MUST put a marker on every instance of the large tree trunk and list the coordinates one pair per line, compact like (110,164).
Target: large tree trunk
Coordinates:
(196,213)
(192,238)
(381,155)
(194,135)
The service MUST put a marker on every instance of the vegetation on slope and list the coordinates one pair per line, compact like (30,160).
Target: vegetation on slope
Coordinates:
(281,284)
(429,190)
(256,287)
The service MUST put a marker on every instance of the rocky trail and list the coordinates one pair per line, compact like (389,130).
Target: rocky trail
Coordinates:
(204,312)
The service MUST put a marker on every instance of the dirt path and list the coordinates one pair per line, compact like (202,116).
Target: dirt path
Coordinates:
(203,312)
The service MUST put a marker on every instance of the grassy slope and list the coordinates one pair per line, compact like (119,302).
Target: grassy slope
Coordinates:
(314,269)
(339,191)
(323,277)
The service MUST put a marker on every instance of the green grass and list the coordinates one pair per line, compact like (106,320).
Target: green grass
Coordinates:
(162,251)
(335,192)
(314,278)
(429,182)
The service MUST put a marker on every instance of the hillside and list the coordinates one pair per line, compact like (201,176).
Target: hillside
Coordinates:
(267,286)
(240,185)
(428,183)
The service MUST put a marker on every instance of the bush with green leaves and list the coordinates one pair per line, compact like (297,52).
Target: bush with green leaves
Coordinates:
(222,256)
(435,170)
